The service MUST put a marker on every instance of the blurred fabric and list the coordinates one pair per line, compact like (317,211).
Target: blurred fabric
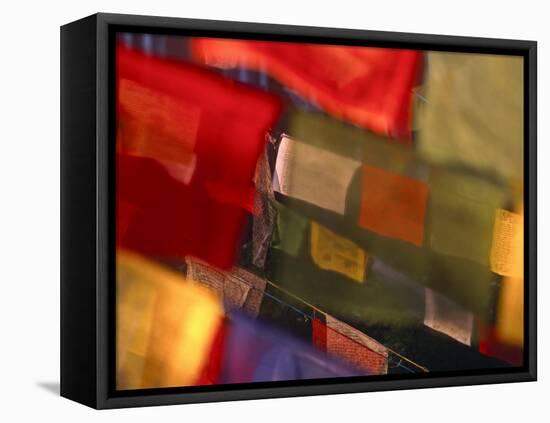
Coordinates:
(370,87)
(473,112)
(256,353)
(165,327)
(176,208)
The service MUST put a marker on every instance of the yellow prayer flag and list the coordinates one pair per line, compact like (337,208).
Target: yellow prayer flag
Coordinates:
(507,246)
(165,325)
(510,312)
(330,251)
(507,260)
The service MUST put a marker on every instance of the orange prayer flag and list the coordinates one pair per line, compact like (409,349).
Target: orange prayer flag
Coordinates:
(393,205)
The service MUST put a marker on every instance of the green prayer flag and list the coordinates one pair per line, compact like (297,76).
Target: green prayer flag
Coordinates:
(472,112)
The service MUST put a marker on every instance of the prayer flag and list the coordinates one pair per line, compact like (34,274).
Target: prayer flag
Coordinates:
(188,141)
(166,325)
(370,87)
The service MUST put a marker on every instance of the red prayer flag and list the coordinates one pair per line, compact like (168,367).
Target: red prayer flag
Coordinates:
(490,345)
(348,349)
(188,141)
(211,372)
(370,87)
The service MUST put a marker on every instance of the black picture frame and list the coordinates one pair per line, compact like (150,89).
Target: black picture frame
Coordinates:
(87,210)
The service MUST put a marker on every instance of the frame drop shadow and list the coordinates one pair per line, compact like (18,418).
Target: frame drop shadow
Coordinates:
(51,387)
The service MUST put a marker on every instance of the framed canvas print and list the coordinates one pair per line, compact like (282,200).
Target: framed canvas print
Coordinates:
(256,211)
